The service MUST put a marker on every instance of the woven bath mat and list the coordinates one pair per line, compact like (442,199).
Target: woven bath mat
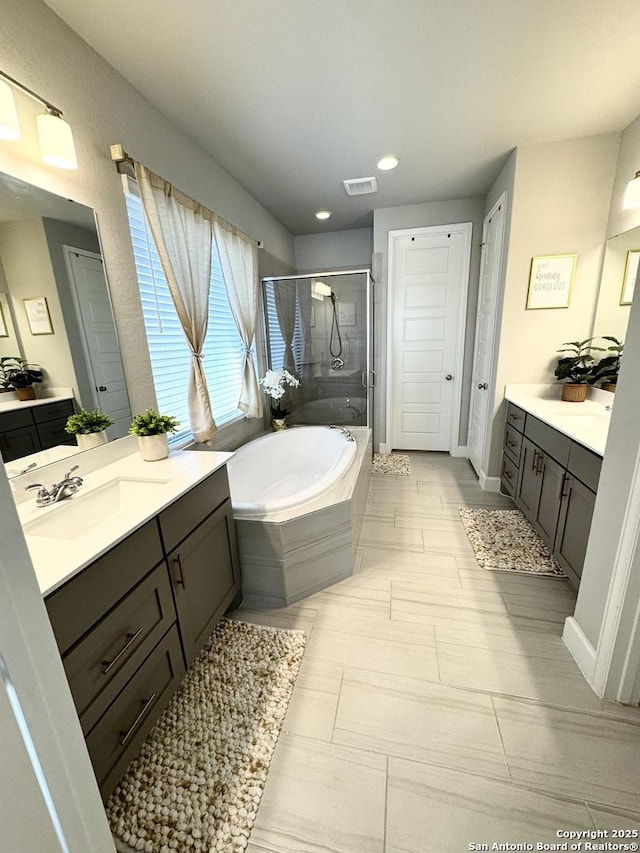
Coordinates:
(391,463)
(196,783)
(504,541)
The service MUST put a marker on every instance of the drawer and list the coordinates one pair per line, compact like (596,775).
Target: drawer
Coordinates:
(179,519)
(516,417)
(512,443)
(585,465)
(16,420)
(101,664)
(554,443)
(52,411)
(508,477)
(52,433)
(88,596)
(117,736)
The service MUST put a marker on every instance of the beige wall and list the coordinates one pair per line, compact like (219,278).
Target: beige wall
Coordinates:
(338,250)
(28,271)
(559,205)
(416,216)
(43,53)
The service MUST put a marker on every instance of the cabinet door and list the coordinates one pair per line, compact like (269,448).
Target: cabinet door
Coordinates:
(19,442)
(206,577)
(528,483)
(574,526)
(547,507)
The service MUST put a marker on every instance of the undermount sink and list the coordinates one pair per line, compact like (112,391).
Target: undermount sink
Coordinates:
(587,420)
(78,516)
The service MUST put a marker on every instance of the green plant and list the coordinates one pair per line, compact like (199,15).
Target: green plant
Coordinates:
(86,422)
(16,373)
(152,422)
(577,367)
(607,369)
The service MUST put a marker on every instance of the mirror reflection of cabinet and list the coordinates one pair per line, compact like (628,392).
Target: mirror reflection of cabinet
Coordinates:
(39,233)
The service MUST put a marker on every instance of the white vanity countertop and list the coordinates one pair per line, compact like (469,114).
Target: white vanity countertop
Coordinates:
(55,560)
(13,404)
(587,423)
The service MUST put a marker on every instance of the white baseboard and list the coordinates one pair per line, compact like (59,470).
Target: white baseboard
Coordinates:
(384,448)
(461,450)
(581,649)
(489,484)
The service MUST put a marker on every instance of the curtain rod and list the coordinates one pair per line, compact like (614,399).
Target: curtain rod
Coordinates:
(125,165)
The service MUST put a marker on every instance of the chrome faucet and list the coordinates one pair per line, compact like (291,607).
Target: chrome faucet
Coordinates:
(59,491)
(348,435)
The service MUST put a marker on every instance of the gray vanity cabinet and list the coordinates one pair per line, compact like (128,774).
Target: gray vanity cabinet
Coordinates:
(203,559)
(33,428)
(526,495)
(574,526)
(127,623)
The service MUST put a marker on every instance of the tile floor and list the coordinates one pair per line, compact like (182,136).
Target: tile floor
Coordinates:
(437,706)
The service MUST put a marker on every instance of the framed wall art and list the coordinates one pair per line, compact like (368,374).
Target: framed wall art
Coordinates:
(38,316)
(630,276)
(550,281)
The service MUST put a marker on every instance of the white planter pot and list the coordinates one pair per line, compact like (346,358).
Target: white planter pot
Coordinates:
(91,439)
(153,447)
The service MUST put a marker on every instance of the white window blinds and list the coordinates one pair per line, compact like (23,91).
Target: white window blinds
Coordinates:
(170,356)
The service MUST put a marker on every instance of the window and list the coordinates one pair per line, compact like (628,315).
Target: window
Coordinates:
(170,355)
(276,341)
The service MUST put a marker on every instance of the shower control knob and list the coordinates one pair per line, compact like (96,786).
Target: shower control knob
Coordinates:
(482,386)
(448,377)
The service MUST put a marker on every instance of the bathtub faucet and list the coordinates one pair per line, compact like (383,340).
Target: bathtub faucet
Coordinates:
(348,435)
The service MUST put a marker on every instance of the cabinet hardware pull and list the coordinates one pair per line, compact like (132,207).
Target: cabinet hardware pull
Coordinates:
(145,707)
(131,638)
(178,562)
(534,464)
(508,475)
(565,482)
(512,443)
(540,463)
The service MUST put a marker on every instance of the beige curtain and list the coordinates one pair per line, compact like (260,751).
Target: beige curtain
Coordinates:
(286,294)
(239,261)
(182,232)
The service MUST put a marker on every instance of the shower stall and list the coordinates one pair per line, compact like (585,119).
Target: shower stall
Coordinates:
(318,327)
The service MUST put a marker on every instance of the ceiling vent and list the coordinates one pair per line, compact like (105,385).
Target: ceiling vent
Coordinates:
(360,186)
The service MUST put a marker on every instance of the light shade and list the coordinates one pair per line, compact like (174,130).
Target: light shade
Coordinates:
(9,125)
(56,141)
(632,193)
(322,214)
(389,161)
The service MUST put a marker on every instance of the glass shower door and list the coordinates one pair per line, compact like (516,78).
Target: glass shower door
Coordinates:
(318,328)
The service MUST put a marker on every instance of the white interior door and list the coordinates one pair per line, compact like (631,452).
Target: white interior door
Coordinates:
(428,281)
(100,341)
(482,390)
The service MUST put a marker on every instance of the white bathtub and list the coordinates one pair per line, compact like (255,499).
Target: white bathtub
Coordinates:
(287,469)
(298,501)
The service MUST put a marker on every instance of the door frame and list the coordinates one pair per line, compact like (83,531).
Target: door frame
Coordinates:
(466,229)
(73,287)
(490,483)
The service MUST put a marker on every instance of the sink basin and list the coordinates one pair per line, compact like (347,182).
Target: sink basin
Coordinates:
(585,421)
(79,516)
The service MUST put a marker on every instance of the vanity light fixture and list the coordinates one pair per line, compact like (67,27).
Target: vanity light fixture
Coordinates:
(388,162)
(632,193)
(56,140)
(322,214)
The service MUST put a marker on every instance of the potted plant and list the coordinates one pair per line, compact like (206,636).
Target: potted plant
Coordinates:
(152,430)
(575,369)
(275,384)
(607,369)
(88,428)
(19,376)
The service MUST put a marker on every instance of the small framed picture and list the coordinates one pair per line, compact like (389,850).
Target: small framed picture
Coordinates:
(4,331)
(630,276)
(550,281)
(38,316)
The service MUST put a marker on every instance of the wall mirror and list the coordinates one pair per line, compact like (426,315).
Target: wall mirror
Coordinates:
(49,248)
(616,284)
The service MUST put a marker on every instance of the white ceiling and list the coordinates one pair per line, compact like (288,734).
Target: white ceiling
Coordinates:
(292,96)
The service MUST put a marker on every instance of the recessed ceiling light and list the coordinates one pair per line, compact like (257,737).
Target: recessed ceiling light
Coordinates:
(322,214)
(388,162)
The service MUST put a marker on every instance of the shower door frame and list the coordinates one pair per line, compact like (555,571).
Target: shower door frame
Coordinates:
(369,371)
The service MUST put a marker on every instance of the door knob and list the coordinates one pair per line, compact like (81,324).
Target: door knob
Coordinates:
(102,387)
(482,386)
(448,377)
